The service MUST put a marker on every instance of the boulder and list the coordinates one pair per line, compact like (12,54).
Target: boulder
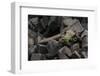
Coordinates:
(68,21)
(76,27)
(65,51)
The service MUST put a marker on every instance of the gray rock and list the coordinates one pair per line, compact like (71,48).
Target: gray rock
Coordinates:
(32,37)
(44,21)
(84,22)
(85,42)
(77,54)
(32,49)
(52,47)
(30,41)
(65,51)
(39,37)
(85,33)
(42,49)
(77,27)
(52,18)
(62,56)
(36,56)
(84,54)
(31,33)
(68,21)
(34,20)
(75,47)
(33,23)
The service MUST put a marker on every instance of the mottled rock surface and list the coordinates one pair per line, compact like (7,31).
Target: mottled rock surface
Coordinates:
(57,37)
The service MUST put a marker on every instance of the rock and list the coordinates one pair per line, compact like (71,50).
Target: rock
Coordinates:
(32,37)
(84,54)
(85,49)
(77,54)
(33,24)
(34,20)
(68,21)
(32,49)
(62,56)
(31,33)
(44,21)
(84,22)
(76,27)
(85,33)
(75,47)
(65,51)
(43,57)
(36,56)
(84,41)
(52,18)
(53,28)
(42,49)
(30,41)
(52,47)
(39,37)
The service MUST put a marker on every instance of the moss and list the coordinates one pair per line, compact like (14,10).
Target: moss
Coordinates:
(69,37)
